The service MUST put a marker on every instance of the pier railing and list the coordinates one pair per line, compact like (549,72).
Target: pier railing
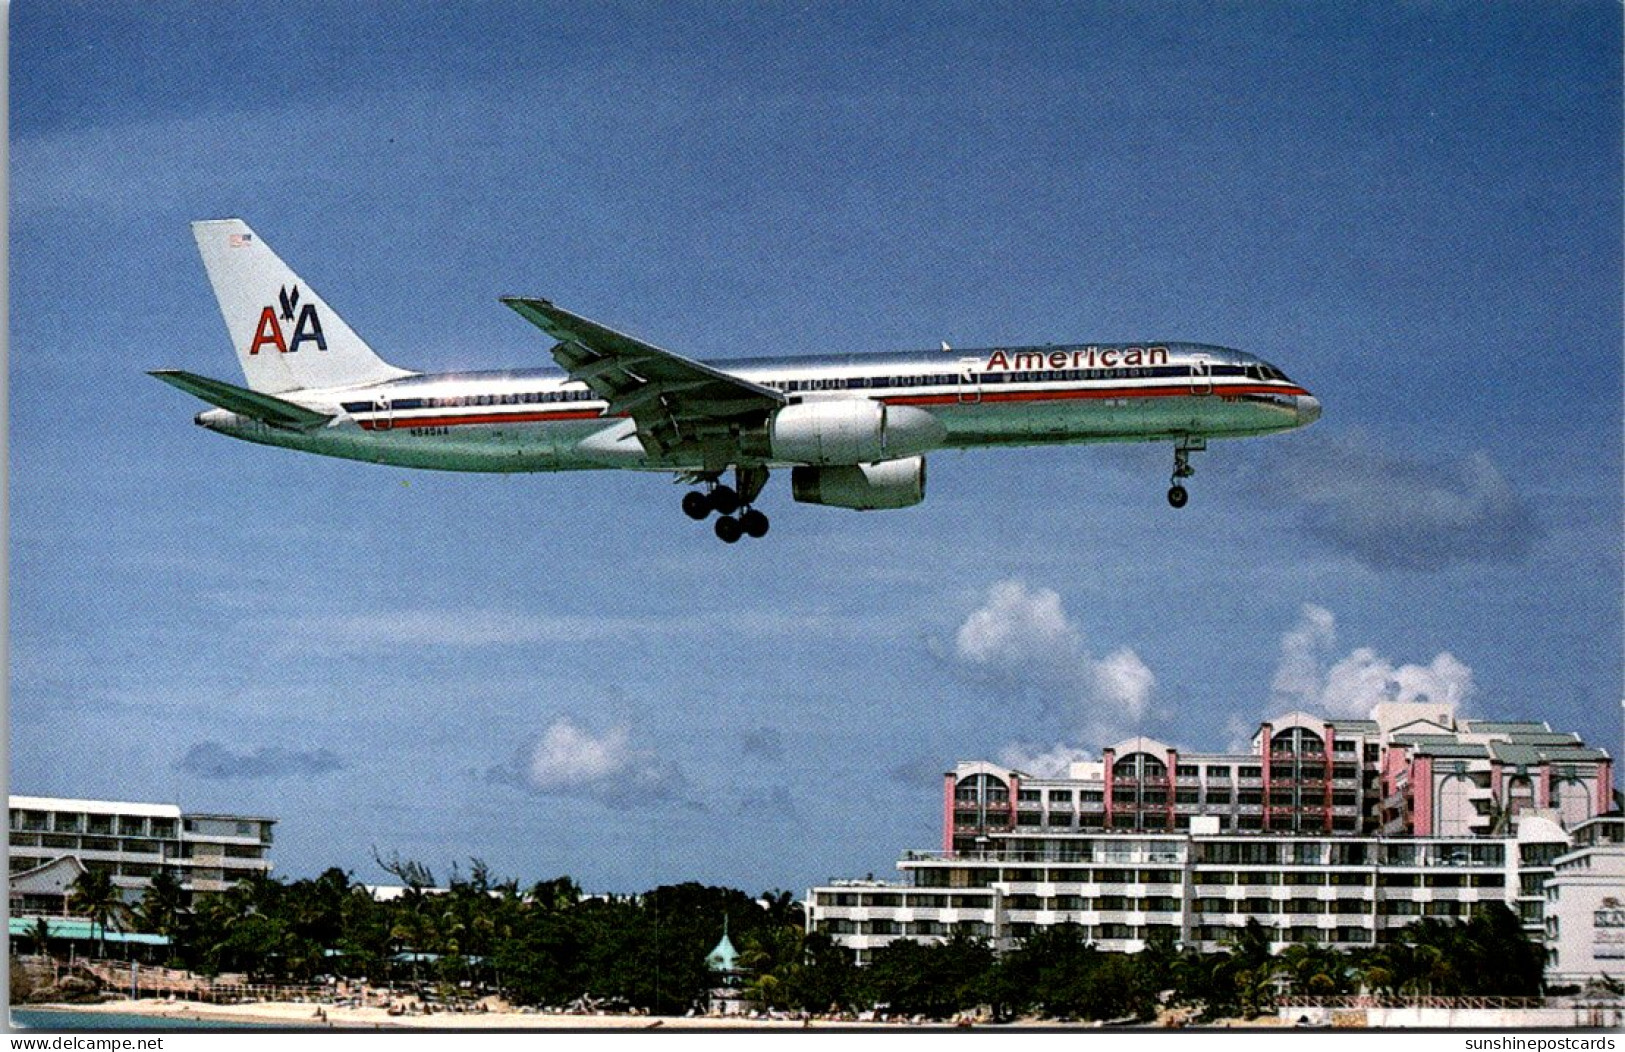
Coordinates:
(151,981)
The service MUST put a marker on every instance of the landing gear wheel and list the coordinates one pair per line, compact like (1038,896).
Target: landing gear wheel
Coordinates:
(724,500)
(1177,496)
(728,529)
(753,523)
(696,505)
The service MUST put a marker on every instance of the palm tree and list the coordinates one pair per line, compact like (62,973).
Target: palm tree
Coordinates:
(38,938)
(162,904)
(1245,972)
(783,908)
(556,895)
(97,898)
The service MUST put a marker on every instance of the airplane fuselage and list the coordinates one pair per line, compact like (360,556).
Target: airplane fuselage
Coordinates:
(541,420)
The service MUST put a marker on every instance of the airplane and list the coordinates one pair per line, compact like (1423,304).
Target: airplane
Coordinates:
(852,429)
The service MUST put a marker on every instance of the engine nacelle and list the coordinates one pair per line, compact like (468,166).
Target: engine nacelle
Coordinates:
(851,431)
(866,487)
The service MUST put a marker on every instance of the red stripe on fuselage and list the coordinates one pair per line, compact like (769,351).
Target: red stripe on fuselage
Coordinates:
(970,397)
(959,397)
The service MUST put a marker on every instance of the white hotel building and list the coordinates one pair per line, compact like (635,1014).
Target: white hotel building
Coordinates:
(52,840)
(1336,830)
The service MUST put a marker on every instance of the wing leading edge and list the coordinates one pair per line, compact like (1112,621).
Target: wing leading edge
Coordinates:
(673,400)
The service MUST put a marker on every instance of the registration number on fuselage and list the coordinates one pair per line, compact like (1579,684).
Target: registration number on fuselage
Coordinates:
(429,432)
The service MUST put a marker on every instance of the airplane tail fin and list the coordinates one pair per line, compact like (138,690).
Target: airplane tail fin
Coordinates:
(287,337)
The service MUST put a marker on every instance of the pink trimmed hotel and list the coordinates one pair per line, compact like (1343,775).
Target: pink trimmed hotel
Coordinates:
(1338,830)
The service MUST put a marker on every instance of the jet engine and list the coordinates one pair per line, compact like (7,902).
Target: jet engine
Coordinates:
(851,431)
(865,487)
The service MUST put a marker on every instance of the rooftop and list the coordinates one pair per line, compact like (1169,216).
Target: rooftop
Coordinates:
(78,928)
(94,807)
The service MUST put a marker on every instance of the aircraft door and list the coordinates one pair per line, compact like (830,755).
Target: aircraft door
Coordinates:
(382,419)
(1201,376)
(970,384)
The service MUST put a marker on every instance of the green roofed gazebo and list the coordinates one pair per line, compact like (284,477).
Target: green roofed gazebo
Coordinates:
(727,997)
(724,958)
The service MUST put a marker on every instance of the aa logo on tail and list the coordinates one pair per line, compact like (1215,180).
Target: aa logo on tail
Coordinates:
(308,327)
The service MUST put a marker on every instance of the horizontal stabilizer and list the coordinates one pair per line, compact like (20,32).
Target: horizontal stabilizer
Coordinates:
(244,402)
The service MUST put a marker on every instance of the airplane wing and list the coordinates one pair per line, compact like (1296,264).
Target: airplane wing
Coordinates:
(672,399)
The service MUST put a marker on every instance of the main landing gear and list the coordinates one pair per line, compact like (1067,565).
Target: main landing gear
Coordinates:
(726,500)
(1177,496)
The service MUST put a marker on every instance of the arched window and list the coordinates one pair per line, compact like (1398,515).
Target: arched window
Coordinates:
(1140,765)
(981,790)
(1572,798)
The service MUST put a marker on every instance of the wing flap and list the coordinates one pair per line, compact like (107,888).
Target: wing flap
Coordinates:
(666,393)
(241,400)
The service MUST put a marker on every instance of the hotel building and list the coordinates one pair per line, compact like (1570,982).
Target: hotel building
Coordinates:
(1585,904)
(53,840)
(1343,831)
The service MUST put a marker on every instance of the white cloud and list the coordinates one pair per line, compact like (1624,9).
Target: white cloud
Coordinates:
(1392,511)
(1052,763)
(1308,678)
(1023,636)
(1362,679)
(569,760)
(1304,648)
(1015,624)
(1122,679)
(567,756)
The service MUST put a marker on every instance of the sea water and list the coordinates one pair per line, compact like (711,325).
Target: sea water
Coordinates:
(62,1019)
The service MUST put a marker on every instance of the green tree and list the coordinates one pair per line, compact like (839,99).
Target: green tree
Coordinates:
(36,939)
(95,897)
(163,904)
(1316,970)
(827,978)
(1242,978)
(933,981)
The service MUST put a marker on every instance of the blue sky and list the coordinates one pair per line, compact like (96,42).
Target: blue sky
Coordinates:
(1412,209)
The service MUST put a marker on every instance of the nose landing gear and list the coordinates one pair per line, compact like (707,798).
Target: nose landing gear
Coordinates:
(1177,495)
(726,500)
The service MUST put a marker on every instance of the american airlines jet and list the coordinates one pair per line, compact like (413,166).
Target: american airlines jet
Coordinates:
(853,430)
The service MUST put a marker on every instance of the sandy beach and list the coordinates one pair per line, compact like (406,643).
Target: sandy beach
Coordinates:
(304,1015)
